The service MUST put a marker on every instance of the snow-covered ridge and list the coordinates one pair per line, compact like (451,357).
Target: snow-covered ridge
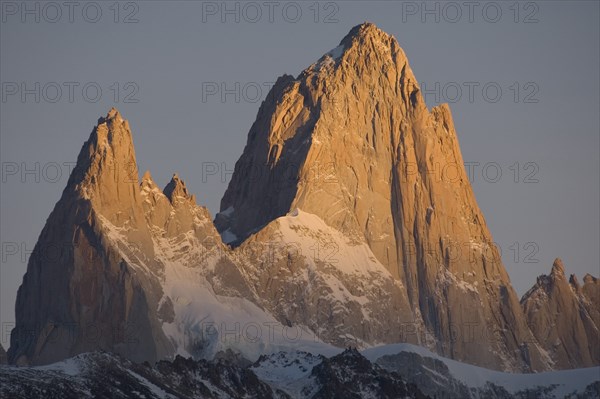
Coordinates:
(207,304)
(288,371)
(315,275)
(293,374)
(337,52)
(565,382)
(303,229)
(330,58)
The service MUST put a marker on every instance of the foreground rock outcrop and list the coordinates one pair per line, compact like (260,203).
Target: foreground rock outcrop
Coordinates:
(563,316)
(394,371)
(94,375)
(103,375)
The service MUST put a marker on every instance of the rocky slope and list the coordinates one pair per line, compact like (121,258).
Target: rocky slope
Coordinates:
(351,375)
(93,375)
(311,274)
(563,316)
(102,375)
(351,141)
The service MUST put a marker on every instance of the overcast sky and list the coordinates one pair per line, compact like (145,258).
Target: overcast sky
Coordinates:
(160,63)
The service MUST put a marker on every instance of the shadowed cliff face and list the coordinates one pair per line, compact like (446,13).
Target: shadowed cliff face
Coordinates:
(361,150)
(564,317)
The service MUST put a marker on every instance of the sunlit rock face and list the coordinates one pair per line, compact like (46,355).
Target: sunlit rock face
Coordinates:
(351,141)
(564,317)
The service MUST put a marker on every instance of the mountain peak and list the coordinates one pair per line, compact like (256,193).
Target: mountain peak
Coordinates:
(112,117)
(367,47)
(563,318)
(114,131)
(176,189)
(574,281)
(113,113)
(148,182)
(340,142)
(147,176)
(558,269)
(368,34)
(106,167)
(364,30)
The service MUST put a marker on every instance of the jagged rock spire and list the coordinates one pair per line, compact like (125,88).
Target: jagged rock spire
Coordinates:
(106,172)
(564,318)
(558,269)
(589,279)
(104,274)
(176,190)
(147,176)
(574,281)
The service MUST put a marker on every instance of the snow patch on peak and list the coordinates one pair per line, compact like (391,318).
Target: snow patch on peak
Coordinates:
(318,242)
(337,52)
(448,278)
(213,309)
(330,58)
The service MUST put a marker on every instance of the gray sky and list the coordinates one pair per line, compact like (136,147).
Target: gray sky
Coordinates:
(544,57)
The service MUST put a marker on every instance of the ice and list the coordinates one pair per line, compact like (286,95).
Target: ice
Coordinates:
(337,52)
